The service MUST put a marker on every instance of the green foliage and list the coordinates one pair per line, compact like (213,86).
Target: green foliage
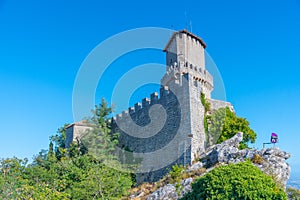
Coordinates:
(59,173)
(224,124)
(99,141)
(235,181)
(205,103)
(58,141)
(176,173)
(206,128)
(206,109)
(11,182)
(216,125)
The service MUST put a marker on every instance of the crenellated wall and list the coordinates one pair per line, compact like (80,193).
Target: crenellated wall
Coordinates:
(217,104)
(169,125)
(201,77)
(140,119)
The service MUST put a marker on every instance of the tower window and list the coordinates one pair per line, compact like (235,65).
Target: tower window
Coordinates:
(196,83)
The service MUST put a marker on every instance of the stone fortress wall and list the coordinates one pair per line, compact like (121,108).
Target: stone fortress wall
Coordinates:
(168,128)
(75,131)
(176,123)
(153,128)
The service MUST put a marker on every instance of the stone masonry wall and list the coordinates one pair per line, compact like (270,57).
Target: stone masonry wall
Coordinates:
(168,128)
(157,129)
(217,104)
(171,133)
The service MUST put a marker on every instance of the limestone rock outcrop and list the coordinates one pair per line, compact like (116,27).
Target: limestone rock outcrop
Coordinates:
(271,161)
(170,192)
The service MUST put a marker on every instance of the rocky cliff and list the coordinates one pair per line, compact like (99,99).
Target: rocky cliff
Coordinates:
(271,161)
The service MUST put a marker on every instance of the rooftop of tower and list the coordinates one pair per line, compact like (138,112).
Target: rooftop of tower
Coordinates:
(189,34)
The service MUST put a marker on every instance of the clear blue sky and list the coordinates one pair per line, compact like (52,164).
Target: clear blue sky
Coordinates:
(255,45)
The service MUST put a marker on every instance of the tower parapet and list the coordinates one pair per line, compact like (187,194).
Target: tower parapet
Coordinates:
(185,54)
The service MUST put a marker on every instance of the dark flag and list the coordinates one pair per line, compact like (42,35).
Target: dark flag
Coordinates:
(274,138)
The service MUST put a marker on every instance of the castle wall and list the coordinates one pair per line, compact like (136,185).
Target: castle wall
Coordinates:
(131,135)
(156,175)
(197,119)
(167,129)
(74,132)
(178,138)
(217,104)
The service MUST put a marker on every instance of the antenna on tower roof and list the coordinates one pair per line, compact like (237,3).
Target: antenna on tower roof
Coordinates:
(186,23)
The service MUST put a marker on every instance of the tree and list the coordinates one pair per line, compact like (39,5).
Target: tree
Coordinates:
(11,181)
(224,124)
(99,141)
(59,173)
(58,141)
(235,181)
(101,182)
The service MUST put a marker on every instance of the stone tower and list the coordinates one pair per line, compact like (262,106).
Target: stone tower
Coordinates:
(181,137)
(168,128)
(185,66)
(186,51)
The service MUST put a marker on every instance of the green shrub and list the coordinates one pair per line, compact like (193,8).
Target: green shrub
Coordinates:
(224,124)
(235,181)
(205,103)
(176,174)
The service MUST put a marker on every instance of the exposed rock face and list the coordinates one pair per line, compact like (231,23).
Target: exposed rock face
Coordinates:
(169,192)
(271,161)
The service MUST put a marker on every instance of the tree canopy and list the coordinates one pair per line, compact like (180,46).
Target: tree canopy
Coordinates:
(74,173)
(224,124)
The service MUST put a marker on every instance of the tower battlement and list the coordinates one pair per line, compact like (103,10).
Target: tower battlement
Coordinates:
(202,78)
(166,95)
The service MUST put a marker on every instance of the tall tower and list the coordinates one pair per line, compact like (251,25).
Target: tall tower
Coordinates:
(186,52)
(187,76)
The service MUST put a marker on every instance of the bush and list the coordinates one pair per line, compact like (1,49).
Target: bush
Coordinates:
(236,181)
(205,103)
(176,174)
(224,124)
